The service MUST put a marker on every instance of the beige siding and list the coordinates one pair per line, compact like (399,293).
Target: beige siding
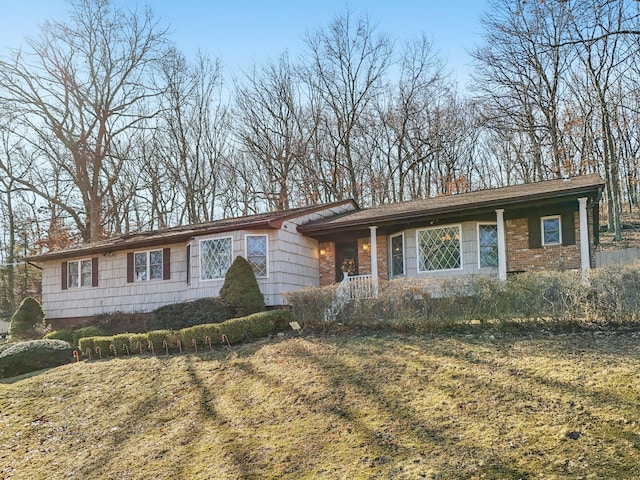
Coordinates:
(113,293)
(470,261)
(292,264)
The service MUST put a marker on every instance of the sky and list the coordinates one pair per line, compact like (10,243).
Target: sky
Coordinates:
(242,32)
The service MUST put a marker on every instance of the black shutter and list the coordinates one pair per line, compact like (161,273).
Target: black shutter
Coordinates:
(568,220)
(535,234)
(63,279)
(188,264)
(166,263)
(130,267)
(94,272)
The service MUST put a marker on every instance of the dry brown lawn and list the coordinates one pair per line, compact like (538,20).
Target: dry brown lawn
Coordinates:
(382,406)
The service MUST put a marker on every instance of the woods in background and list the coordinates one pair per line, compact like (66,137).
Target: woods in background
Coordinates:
(107,128)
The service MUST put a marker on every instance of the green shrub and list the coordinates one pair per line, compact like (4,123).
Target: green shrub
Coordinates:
(103,344)
(241,290)
(157,339)
(64,334)
(29,356)
(211,331)
(138,343)
(187,314)
(122,342)
(90,331)
(85,346)
(27,323)
(119,322)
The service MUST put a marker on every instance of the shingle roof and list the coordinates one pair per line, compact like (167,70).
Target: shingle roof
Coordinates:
(455,204)
(184,233)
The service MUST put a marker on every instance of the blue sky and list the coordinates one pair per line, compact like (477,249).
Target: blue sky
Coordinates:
(239,32)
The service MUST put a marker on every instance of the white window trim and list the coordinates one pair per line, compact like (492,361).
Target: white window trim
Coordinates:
(246,253)
(200,257)
(79,263)
(459,225)
(480,224)
(148,254)
(404,257)
(550,217)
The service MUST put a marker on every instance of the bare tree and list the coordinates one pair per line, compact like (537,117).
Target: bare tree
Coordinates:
(520,77)
(271,129)
(344,67)
(191,140)
(79,89)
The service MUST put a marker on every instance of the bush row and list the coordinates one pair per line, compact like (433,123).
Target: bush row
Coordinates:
(198,336)
(611,296)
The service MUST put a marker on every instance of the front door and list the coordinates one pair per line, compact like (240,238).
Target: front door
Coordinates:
(346,259)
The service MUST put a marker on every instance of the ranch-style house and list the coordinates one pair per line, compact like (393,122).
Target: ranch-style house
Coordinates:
(540,226)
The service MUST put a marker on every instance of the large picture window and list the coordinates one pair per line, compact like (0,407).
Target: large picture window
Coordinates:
(256,253)
(551,230)
(397,255)
(488,245)
(439,249)
(215,258)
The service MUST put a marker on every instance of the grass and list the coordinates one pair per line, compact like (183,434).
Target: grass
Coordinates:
(337,407)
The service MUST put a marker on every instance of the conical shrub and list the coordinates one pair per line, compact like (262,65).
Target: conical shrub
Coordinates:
(241,290)
(27,323)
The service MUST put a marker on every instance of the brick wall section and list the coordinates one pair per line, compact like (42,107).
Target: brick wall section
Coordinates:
(327,263)
(328,260)
(550,258)
(364,257)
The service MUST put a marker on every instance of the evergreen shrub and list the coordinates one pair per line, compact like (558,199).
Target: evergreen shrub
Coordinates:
(187,314)
(32,355)
(241,290)
(27,323)
(64,334)
(90,331)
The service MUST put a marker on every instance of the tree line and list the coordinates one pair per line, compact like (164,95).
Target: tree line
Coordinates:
(107,128)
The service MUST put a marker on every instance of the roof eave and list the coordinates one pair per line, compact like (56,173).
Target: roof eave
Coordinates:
(395,218)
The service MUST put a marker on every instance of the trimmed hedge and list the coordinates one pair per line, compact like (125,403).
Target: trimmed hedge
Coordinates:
(25,357)
(235,331)
(188,314)
(64,334)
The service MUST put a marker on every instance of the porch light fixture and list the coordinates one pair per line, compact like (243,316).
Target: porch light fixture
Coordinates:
(366,246)
(323,251)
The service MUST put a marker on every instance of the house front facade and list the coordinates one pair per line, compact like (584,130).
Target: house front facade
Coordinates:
(545,226)
(533,227)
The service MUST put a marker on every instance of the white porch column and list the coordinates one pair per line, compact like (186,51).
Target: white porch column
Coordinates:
(502,246)
(585,259)
(374,259)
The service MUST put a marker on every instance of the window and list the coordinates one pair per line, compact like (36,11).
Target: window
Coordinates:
(439,249)
(148,265)
(397,255)
(215,258)
(256,253)
(551,230)
(488,245)
(80,273)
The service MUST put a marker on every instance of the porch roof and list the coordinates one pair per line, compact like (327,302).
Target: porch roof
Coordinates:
(465,204)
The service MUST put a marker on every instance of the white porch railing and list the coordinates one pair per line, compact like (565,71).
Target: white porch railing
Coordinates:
(357,287)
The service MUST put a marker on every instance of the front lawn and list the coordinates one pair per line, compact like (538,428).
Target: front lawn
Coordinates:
(357,407)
